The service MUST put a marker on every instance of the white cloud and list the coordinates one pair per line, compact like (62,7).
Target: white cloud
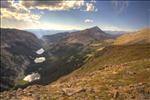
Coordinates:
(15,11)
(60,5)
(88,21)
(90,7)
(6,14)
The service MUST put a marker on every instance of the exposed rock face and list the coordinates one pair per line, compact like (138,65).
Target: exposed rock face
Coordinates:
(17,50)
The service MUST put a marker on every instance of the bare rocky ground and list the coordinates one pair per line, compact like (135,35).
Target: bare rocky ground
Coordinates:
(127,81)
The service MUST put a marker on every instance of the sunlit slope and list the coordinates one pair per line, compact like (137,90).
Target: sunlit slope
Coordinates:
(118,55)
(142,36)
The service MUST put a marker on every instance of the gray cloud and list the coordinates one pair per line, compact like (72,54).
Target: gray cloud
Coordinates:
(15,11)
(53,5)
(5,4)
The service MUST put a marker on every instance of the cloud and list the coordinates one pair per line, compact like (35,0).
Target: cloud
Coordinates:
(6,14)
(88,21)
(13,6)
(53,5)
(90,6)
(18,13)
(60,5)
(120,6)
(15,11)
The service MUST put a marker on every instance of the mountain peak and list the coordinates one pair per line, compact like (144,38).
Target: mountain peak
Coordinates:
(87,36)
(95,28)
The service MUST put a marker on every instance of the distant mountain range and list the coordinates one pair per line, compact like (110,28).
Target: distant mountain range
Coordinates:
(83,37)
(54,37)
(41,32)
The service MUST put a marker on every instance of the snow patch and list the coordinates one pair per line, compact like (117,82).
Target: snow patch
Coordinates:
(32,77)
(40,51)
(39,59)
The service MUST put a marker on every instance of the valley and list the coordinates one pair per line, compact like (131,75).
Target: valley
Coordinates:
(78,66)
(75,50)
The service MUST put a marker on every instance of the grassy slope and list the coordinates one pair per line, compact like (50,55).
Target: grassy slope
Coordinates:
(119,54)
(142,36)
(119,67)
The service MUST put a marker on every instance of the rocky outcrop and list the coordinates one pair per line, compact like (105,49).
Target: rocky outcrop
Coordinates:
(18,48)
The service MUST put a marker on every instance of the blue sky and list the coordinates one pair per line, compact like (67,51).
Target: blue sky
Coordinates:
(80,14)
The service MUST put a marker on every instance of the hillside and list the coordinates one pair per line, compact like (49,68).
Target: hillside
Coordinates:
(84,37)
(55,37)
(99,70)
(116,78)
(142,36)
(62,56)
(17,49)
(87,36)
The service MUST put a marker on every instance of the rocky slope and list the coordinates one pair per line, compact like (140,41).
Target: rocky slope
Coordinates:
(17,50)
(96,80)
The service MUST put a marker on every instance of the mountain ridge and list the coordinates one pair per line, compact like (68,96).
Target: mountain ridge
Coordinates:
(17,50)
(141,36)
(85,36)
